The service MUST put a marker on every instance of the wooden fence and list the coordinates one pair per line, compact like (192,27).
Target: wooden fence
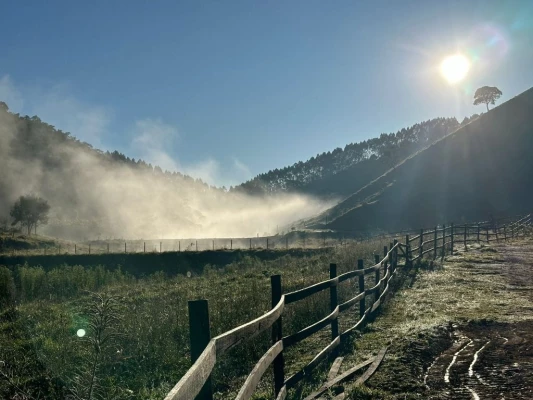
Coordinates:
(196,383)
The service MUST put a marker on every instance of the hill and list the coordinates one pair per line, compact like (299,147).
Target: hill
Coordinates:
(95,194)
(484,168)
(340,172)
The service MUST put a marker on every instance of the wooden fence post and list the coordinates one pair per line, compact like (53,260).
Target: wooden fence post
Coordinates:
(125,248)
(505,233)
(144,247)
(478,229)
(277,334)
(200,336)
(451,245)
(108,247)
(395,256)
(488,240)
(497,238)
(231,244)
(89,248)
(443,253)
(512,233)
(333,301)
(420,245)
(267,243)
(213,244)
(435,244)
(196,245)
(160,247)
(75,249)
(464,238)
(362,305)
(408,255)
(376,261)
(250,243)
(179,246)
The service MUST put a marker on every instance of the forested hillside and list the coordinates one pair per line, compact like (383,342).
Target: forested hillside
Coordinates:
(342,171)
(484,168)
(95,194)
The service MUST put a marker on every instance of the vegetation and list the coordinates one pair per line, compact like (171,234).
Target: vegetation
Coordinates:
(330,171)
(486,95)
(44,310)
(466,176)
(30,211)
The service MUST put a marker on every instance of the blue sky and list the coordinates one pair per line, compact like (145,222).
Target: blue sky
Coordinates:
(226,90)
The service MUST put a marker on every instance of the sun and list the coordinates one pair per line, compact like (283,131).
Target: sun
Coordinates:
(455,68)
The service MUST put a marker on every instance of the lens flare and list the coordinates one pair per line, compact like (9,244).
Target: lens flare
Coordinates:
(455,68)
(80,332)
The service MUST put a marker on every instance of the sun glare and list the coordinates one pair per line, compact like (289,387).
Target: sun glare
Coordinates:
(455,68)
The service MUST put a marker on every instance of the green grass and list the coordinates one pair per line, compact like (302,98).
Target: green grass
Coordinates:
(153,351)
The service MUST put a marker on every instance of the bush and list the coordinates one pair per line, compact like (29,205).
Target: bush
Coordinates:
(7,288)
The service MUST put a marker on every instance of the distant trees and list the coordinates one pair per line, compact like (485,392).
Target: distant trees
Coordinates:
(3,106)
(486,95)
(30,211)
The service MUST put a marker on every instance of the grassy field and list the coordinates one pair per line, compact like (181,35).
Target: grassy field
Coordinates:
(136,342)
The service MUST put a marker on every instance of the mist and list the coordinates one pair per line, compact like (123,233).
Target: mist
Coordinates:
(93,196)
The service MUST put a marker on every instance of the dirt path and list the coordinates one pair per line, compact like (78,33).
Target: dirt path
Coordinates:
(460,330)
(491,360)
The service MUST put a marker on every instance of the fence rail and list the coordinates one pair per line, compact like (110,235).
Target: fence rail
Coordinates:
(196,382)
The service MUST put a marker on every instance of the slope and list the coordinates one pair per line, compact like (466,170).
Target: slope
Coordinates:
(484,168)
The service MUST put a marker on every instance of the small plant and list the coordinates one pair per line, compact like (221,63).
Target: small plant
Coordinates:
(103,318)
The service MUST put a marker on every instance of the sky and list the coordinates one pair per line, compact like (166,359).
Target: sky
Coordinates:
(227,90)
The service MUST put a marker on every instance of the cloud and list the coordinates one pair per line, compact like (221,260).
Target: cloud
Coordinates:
(152,139)
(10,94)
(58,107)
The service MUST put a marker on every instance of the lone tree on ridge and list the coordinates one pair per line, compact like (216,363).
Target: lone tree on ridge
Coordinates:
(30,211)
(486,95)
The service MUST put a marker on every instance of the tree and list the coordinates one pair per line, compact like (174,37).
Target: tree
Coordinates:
(30,211)
(486,95)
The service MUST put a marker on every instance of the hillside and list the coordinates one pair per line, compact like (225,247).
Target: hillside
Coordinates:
(340,172)
(95,194)
(484,168)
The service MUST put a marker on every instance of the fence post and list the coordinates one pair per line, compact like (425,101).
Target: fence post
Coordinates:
(160,247)
(512,232)
(505,233)
(362,305)
(478,229)
(200,336)
(267,243)
(250,243)
(75,249)
(213,244)
(231,244)
(435,244)
(464,238)
(179,246)
(407,251)
(144,249)
(125,248)
(89,248)
(488,240)
(376,261)
(497,238)
(451,246)
(420,246)
(196,245)
(108,247)
(395,255)
(333,301)
(277,334)
(443,253)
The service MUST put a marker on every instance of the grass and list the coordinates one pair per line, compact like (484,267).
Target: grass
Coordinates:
(46,308)
(416,322)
